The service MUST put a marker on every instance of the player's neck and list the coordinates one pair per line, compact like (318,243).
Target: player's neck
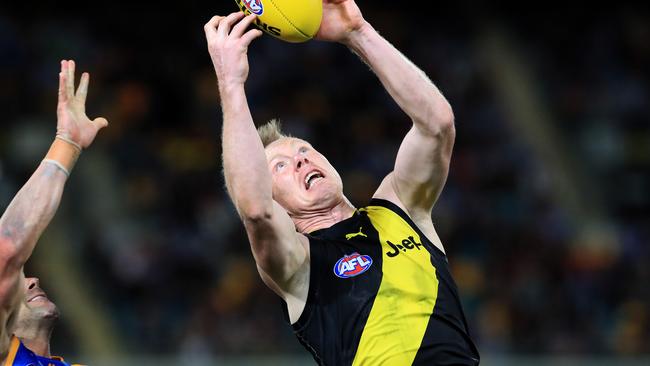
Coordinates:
(310,222)
(37,340)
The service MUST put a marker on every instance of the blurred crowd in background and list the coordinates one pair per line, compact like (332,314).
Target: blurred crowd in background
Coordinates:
(150,234)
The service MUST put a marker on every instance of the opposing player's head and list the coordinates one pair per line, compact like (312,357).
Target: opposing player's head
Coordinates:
(36,310)
(304,181)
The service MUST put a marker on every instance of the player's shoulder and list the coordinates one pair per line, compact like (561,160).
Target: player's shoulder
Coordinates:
(389,194)
(9,345)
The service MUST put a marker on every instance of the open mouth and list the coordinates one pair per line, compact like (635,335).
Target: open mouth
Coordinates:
(312,178)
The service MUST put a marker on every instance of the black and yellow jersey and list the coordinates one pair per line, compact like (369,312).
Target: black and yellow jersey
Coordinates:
(380,293)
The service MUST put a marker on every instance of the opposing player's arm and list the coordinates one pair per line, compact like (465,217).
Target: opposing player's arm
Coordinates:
(278,250)
(34,205)
(20,227)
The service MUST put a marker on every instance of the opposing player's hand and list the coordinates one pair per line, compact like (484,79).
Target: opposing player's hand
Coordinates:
(228,41)
(341,18)
(72,122)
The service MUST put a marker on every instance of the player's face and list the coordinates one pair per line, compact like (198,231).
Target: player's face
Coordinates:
(303,180)
(36,305)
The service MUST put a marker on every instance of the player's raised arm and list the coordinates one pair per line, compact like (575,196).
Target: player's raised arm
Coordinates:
(422,163)
(276,246)
(35,204)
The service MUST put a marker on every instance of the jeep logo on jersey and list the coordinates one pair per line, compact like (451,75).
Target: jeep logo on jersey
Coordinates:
(407,244)
(352,265)
(255,6)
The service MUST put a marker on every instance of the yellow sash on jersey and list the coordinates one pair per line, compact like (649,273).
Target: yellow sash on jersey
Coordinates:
(406,297)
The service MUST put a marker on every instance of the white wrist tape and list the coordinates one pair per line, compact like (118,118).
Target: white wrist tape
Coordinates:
(69,141)
(58,165)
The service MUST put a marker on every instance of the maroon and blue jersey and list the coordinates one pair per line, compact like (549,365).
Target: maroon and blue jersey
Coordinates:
(19,355)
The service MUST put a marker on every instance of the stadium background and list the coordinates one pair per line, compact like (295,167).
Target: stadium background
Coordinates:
(544,216)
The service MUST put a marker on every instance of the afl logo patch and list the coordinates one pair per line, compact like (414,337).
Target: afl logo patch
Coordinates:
(255,6)
(352,265)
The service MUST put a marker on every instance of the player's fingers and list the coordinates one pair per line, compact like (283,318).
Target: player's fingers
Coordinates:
(62,81)
(69,79)
(249,36)
(100,122)
(210,27)
(239,29)
(225,24)
(82,90)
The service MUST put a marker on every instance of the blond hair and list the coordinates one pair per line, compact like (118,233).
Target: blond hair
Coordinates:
(271,131)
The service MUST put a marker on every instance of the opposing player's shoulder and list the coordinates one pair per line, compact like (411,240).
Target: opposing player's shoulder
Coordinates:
(8,345)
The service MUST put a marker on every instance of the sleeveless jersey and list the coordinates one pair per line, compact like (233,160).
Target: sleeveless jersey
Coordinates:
(380,293)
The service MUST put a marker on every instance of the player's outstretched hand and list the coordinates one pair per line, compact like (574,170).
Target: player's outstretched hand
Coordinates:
(341,18)
(72,123)
(228,41)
